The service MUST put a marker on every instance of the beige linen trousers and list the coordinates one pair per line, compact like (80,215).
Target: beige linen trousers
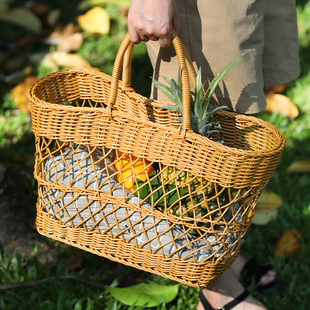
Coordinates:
(217,31)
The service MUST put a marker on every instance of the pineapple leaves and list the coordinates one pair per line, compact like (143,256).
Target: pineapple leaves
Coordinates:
(167,80)
(220,76)
(180,80)
(156,192)
(170,107)
(207,122)
(174,92)
(177,93)
(210,112)
(202,117)
(164,89)
(198,95)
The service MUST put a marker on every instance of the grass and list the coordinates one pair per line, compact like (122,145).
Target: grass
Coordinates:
(16,143)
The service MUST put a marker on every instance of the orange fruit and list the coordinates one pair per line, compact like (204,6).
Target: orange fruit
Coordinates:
(140,168)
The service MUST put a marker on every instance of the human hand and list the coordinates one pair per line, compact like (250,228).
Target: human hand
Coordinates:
(152,20)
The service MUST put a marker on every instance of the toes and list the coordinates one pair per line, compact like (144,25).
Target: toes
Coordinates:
(267,278)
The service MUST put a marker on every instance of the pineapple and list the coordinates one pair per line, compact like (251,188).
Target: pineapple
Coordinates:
(203,122)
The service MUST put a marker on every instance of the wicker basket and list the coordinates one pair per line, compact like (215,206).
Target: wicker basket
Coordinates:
(86,125)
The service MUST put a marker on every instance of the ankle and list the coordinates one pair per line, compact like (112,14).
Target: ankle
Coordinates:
(238,266)
(217,299)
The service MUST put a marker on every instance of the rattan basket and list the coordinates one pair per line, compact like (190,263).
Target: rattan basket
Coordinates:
(87,124)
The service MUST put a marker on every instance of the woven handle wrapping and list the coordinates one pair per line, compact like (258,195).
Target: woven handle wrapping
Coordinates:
(124,53)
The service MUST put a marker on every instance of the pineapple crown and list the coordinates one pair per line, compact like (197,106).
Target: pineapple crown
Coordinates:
(202,116)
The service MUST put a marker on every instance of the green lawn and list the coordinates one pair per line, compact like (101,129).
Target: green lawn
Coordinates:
(17,146)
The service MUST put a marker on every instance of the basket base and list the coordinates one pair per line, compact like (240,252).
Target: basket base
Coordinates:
(195,274)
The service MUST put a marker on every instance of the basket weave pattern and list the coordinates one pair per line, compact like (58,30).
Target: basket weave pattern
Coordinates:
(85,121)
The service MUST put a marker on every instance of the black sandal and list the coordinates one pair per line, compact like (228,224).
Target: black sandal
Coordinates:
(252,269)
(228,306)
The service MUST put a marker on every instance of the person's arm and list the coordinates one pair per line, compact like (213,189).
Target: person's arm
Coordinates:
(152,20)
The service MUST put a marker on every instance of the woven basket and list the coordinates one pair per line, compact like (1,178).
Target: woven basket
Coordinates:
(92,128)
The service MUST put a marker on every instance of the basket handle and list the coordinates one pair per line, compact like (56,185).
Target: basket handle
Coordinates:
(124,54)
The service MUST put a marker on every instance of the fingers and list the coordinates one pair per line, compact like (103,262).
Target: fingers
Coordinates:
(136,36)
(165,41)
(133,35)
(136,39)
(152,20)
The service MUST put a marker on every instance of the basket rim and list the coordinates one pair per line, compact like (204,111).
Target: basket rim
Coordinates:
(190,135)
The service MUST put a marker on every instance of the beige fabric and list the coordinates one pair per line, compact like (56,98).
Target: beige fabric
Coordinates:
(75,168)
(216,32)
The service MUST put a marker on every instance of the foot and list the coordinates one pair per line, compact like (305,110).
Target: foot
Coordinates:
(217,300)
(225,289)
(266,279)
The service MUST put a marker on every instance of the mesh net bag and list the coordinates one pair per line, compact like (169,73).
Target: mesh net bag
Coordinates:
(120,178)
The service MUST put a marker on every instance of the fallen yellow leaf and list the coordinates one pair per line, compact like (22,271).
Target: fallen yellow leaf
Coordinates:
(19,93)
(275,89)
(47,61)
(96,20)
(288,243)
(267,208)
(70,42)
(74,262)
(65,59)
(61,32)
(301,166)
(264,216)
(281,104)
(22,17)
(67,38)
(269,200)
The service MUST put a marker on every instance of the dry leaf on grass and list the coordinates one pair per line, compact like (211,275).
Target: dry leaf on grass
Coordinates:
(281,104)
(301,166)
(269,200)
(267,208)
(74,262)
(22,17)
(65,59)
(48,62)
(264,216)
(288,243)
(67,38)
(96,20)
(19,93)
(70,43)
(275,89)
(59,33)
(54,60)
